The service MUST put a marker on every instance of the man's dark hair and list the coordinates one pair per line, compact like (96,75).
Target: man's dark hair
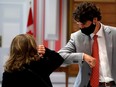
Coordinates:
(86,11)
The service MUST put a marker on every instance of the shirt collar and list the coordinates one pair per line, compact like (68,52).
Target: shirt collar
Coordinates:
(99,33)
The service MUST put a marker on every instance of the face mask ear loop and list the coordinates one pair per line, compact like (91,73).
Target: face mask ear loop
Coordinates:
(93,21)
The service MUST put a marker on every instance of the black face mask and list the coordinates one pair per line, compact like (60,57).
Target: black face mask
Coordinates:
(88,30)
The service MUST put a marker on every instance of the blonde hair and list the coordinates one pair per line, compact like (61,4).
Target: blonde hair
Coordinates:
(23,50)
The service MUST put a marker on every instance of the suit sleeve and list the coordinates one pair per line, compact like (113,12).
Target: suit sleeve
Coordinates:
(70,51)
(52,60)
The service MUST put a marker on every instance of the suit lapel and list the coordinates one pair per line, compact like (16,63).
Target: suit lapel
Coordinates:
(108,38)
(85,67)
(87,44)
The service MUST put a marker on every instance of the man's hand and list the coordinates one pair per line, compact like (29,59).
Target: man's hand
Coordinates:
(41,50)
(90,60)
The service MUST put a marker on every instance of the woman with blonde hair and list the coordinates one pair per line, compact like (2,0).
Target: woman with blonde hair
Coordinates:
(26,67)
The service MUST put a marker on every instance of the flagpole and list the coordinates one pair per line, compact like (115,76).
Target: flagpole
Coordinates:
(30,3)
(30,23)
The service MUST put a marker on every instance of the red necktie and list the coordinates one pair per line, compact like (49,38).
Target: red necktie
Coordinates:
(94,80)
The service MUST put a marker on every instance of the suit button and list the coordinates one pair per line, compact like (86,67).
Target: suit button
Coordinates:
(89,74)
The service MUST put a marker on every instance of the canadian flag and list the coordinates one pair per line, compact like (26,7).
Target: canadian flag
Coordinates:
(30,23)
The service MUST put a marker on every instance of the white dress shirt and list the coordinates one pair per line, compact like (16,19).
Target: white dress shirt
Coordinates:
(104,68)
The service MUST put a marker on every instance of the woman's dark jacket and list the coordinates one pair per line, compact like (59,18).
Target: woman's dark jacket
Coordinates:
(36,74)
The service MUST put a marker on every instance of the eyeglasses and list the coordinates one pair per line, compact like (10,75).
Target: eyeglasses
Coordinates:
(81,23)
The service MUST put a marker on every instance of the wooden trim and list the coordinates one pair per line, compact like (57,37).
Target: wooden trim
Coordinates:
(96,0)
(35,17)
(66,70)
(69,18)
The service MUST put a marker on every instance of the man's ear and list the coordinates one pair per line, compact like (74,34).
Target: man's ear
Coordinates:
(95,20)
